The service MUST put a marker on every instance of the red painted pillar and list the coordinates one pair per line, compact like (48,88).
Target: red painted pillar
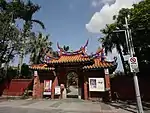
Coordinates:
(41,89)
(85,88)
(107,83)
(36,86)
(54,84)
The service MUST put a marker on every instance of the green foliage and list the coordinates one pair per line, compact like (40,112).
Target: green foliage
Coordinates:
(39,46)
(21,9)
(9,38)
(139,23)
(11,73)
(140,17)
(72,79)
(112,40)
(25,71)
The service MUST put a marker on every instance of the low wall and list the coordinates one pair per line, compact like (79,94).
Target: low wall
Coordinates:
(15,87)
(124,87)
(3,86)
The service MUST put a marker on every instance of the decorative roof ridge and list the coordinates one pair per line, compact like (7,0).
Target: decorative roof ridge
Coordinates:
(106,61)
(42,64)
(81,50)
(41,67)
(70,54)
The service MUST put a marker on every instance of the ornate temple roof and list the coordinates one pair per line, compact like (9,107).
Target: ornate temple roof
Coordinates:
(41,67)
(89,62)
(75,58)
(98,64)
(99,61)
(65,57)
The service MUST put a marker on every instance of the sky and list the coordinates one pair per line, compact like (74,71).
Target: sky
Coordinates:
(72,22)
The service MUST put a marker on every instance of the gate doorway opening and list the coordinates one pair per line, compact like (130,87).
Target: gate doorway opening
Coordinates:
(72,85)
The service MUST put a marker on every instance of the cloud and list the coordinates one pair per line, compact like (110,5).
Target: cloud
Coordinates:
(96,3)
(105,15)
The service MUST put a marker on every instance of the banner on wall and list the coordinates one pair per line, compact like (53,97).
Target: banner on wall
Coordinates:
(47,87)
(96,84)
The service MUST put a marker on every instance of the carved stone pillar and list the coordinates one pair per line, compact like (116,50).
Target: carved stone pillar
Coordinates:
(54,84)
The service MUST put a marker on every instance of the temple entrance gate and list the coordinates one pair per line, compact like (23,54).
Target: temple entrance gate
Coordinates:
(69,74)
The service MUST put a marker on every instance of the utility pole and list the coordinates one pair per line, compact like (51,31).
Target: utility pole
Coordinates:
(136,85)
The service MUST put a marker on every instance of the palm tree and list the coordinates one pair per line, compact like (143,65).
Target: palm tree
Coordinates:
(114,40)
(27,12)
(38,45)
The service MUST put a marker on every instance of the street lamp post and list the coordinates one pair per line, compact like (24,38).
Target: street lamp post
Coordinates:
(132,53)
(130,48)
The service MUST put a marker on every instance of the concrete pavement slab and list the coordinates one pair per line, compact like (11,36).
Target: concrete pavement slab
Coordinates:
(57,106)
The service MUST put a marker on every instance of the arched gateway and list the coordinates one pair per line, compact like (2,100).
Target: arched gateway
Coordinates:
(50,78)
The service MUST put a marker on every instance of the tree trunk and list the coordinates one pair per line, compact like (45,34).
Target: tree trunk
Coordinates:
(122,58)
(20,63)
(21,56)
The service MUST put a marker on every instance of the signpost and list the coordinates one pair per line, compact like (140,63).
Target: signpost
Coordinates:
(133,64)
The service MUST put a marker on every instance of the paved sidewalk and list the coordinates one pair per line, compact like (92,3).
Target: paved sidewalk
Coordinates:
(130,106)
(56,106)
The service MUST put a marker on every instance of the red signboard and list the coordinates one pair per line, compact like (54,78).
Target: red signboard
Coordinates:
(47,87)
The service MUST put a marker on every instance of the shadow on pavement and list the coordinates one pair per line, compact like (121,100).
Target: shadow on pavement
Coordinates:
(129,105)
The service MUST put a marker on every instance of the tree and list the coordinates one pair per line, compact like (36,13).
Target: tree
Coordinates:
(22,10)
(72,80)
(29,10)
(139,23)
(113,40)
(39,46)
(9,38)
(9,41)
(25,72)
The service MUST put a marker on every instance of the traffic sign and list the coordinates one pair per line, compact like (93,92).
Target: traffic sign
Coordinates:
(133,64)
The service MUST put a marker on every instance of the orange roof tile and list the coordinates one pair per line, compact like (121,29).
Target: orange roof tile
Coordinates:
(41,67)
(76,58)
(99,64)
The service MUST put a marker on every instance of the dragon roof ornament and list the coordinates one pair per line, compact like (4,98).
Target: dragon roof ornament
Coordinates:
(81,50)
